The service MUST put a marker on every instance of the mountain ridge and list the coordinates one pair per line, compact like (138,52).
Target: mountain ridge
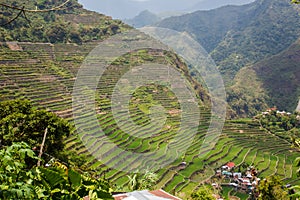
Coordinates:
(240,36)
(127,9)
(144,18)
(209,5)
(217,22)
(271,82)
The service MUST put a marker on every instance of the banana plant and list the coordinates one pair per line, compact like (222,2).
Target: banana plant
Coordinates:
(68,184)
(18,180)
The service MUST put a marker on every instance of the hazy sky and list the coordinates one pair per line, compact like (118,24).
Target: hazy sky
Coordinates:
(122,9)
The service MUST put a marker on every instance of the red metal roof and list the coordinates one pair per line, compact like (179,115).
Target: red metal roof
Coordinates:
(162,193)
(230,164)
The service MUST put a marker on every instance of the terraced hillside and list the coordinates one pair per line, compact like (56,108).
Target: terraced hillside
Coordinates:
(35,72)
(45,74)
(240,142)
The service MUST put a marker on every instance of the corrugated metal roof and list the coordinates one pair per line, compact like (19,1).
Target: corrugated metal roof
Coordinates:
(146,195)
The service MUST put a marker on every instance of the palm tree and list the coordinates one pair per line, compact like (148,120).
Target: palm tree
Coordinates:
(133,182)
(137,181)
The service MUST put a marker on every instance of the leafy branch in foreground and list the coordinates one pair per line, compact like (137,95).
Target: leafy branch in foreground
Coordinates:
(17,181)
(61,182)
(36,10)
(22,11)
(55,182)
(295,1)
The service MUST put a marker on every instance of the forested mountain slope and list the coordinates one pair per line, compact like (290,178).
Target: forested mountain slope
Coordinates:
(69,24)
(271,82)
(239,35)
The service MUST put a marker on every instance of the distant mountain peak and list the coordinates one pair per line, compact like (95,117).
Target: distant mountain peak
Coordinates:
(142,19)
(127,9)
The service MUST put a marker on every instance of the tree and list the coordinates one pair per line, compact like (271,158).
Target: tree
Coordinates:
(296,188)
(133,182)
(203,193)
(138,181)
(22,11)
(271,188)
(148,180)
(58,32)
(20,121)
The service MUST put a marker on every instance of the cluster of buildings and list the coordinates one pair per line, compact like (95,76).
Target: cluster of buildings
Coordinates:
(245,181)
(268,111)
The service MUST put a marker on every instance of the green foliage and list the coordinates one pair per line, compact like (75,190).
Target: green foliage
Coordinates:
(203,193)
(296,193)
(267,28)
(297,161)
(271,188)
(63,183)
(283,121)
(146,181)
(20,121)
(283,125)
(240,35)
(20,181)
(71,24)
(296,188)
(17,181)
(275,79)
(247,96)
(57,32)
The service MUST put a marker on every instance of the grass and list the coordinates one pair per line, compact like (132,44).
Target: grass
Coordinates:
(225,191)
(240,195)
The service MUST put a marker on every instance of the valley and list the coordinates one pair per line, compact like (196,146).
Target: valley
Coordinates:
(239,37)
(255,47)
(30,76)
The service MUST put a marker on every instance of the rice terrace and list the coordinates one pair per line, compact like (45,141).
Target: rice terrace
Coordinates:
(45,73)
(31,76)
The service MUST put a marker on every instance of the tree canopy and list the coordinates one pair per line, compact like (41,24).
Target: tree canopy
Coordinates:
(22,128)
(58,21)
(22,122)
(204,192)
(271,188)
